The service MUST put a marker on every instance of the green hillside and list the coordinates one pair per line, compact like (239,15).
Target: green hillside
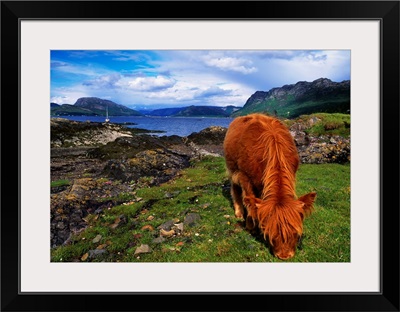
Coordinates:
(70,110)
(290,101)
(92,106)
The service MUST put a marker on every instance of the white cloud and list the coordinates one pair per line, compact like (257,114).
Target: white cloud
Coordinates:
(69,95)
(213,91)
(74,69)
(227,63)
(105,81)
(60,100)
(201,93)
(151,83)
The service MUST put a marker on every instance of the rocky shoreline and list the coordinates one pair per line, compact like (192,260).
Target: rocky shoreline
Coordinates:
(99,161)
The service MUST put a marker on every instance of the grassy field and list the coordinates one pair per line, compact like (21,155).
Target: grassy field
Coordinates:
(217,236)
(327,124)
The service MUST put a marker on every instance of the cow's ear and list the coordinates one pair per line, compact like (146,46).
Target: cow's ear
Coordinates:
(308,201)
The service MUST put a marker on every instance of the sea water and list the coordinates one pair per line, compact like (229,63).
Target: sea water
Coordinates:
(181,126)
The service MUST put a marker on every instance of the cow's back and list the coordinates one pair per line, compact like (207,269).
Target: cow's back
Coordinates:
(240,146)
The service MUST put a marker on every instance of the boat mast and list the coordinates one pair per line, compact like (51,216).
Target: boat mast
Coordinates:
(107,119)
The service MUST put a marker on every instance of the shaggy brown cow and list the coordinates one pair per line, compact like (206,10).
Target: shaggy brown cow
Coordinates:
(262,160)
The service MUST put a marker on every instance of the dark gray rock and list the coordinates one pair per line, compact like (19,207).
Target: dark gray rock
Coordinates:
(97,253)
(191,219)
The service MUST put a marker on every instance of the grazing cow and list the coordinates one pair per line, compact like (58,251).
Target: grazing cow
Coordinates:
(262,160)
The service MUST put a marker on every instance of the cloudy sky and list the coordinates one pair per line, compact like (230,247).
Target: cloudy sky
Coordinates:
(177,78)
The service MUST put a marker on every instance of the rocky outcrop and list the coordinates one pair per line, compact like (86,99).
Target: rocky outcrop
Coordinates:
(319,149)
(68,133)
(85,198)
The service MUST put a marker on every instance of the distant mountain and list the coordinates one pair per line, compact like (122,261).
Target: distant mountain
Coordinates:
(321,95)
(230,109)
(99,107)
(163,112)
(208,111)
(202,111)
(193,111)
(70,110)
(92,106)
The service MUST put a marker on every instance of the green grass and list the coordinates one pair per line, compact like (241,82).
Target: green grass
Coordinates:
(59,183)
(326,124)
(218,236)
(337,124)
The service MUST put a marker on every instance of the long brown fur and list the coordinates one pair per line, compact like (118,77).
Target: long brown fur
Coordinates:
(262,160)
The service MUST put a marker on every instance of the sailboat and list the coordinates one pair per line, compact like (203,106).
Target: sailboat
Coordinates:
(107,119)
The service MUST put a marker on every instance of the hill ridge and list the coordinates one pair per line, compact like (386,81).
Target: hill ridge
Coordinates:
(92,106)
(292,100)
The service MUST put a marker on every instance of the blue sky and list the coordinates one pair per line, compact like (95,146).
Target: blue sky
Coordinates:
(177,78)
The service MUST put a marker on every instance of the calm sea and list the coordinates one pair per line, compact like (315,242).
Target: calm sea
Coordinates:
(182,126)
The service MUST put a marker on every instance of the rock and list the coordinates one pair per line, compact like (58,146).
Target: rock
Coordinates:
(143,249)
(128,147)
(178,227)
(68,133)
(97,253)
(191,219)
(71,208)
(324,149)
(312,121)
(121,220)
(96,239)
(210,135)
(167,225)
(159,240)
(165,233)
(116,169)
(300,138)
(208,142)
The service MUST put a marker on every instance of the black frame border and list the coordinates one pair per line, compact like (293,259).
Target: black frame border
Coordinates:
(386,11)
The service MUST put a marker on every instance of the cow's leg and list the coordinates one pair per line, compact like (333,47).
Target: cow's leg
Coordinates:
(247,199)
(251,219)
(236,192)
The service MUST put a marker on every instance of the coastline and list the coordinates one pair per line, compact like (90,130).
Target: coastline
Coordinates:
(181,126)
